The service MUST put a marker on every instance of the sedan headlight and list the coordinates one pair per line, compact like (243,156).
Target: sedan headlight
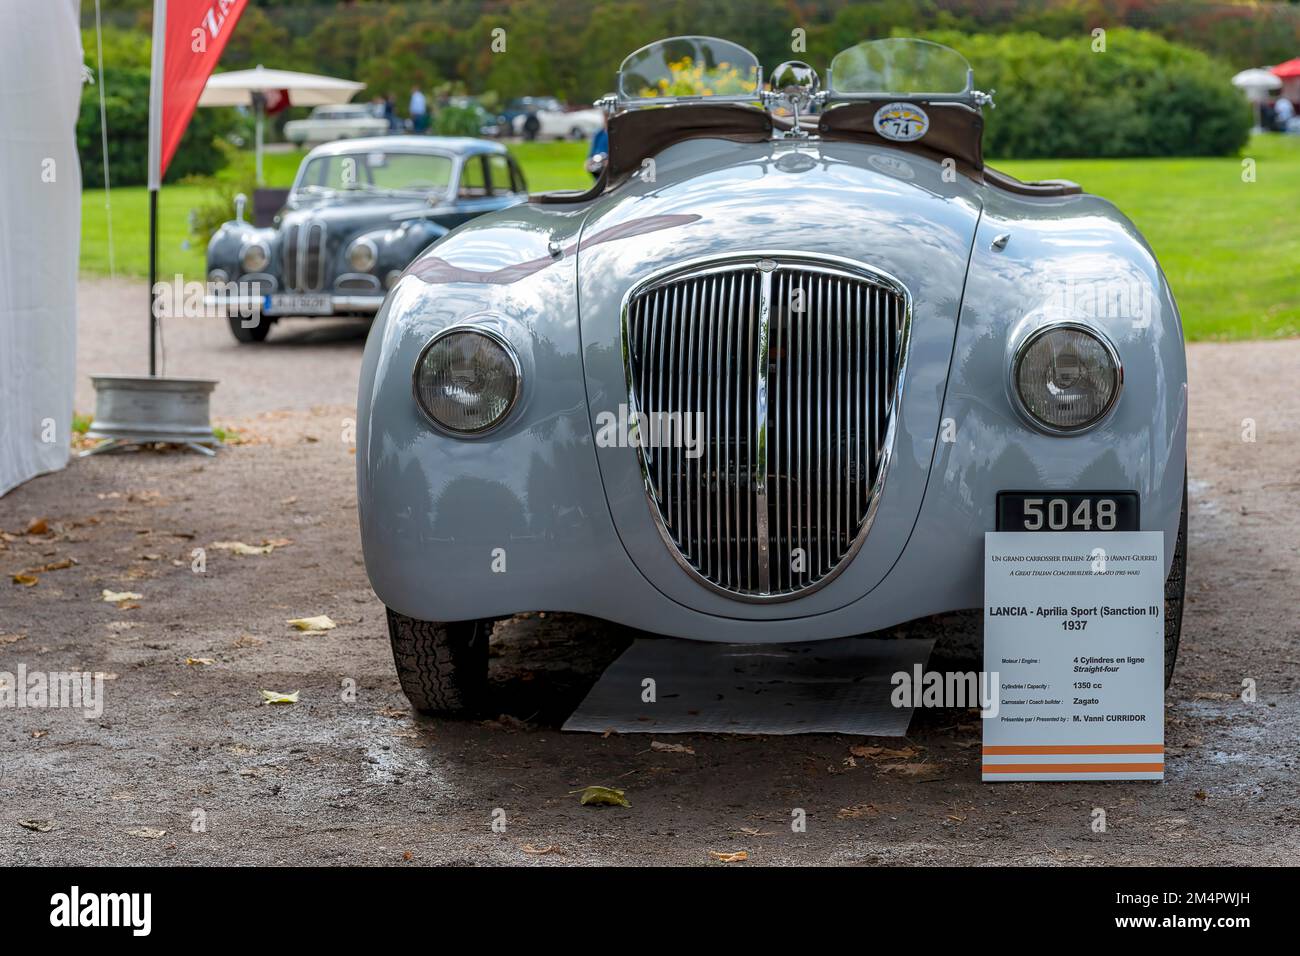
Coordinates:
(362,255)
(467,380)
(255,257)
(1067,377)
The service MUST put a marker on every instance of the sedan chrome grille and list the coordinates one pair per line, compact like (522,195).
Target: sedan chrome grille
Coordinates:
(763,390)
(303,258)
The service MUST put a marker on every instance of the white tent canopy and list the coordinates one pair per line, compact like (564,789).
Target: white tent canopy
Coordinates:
(305,89)
(1257,83)
(240,88)
(40,232)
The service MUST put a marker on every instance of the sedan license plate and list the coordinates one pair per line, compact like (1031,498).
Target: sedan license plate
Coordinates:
(289,304)
(1067,511)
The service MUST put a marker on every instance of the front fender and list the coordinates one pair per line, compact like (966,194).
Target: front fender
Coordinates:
(481,519)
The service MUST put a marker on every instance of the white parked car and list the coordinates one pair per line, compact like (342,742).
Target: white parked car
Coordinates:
(559,124)
(344,121)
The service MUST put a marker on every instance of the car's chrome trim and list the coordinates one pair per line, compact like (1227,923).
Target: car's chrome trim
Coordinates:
(830,265)
(1018,354)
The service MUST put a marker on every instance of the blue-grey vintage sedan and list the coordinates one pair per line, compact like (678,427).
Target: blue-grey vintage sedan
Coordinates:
(771,379)
(359,211)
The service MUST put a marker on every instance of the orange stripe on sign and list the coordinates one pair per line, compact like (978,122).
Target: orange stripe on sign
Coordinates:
(1077,749)
(1073,768)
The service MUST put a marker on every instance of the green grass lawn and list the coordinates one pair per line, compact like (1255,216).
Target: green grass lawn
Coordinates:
(1230,248)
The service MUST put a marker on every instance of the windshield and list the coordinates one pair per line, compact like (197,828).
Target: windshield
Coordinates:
(373,171)
(690,66)
(899,67)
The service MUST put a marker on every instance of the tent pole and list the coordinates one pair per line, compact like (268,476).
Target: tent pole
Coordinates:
(261,111)
(153,278)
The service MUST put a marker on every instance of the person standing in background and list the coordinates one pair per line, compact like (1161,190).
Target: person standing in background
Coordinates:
(419,110)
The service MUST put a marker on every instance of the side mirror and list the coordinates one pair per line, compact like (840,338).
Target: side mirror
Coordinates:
(240,202)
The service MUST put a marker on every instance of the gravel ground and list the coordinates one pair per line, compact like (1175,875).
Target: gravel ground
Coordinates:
(185,747)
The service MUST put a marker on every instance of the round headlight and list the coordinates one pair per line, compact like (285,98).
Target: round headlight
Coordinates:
(362,255)
(255,257)
(1067,377)
(466,380)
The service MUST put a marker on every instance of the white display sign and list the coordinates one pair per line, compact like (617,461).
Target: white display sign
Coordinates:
(1074,629)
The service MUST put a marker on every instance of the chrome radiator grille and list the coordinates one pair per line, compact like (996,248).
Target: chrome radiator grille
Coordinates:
(784,371)
(304,257)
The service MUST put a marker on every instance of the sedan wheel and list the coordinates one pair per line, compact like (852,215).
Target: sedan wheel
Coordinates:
(244,332)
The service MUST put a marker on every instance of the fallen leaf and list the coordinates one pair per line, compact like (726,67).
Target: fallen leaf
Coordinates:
(740,856)
(538,850)
(602,796)
(671,748)
(271,697)
(238,547)
(117,597)
(149,833)
(857,811)
(277,542)
(869,752)
(26,580)
(910,769)
(408,856)
(37,826)
(38,526)
(12,638)
(754,832)
(1201,795)
(245,640)
(199,661)
(38,734)
(314,624)
(54,566)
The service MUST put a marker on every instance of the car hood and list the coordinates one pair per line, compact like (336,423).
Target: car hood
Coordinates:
(898,213)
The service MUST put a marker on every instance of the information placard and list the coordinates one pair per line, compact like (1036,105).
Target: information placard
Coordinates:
(1074,630)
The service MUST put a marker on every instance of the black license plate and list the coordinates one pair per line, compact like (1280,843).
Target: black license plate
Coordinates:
(1068,511)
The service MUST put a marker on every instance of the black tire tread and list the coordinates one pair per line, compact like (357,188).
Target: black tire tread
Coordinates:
(442,666)
(1175,589)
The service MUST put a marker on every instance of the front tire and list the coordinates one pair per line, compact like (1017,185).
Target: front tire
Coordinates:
(442,666)
(1175,588)
(244,332)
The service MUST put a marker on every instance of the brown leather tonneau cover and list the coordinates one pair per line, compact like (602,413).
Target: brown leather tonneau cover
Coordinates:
(956,132)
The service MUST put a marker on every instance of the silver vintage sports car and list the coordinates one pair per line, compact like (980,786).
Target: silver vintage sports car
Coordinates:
(770,379)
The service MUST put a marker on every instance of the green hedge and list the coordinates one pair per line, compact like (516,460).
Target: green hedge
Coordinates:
(127,108)
(1142,96)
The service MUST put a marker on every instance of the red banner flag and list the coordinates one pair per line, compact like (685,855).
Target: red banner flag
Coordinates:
(188,37)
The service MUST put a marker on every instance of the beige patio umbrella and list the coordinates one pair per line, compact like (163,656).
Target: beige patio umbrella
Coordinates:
(252,87)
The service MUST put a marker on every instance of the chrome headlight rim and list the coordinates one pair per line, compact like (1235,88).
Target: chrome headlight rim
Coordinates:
(363,242)
(1013,376)
(260,246)
(498,339)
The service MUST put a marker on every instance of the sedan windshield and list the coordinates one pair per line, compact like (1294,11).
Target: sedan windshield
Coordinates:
(373,171)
